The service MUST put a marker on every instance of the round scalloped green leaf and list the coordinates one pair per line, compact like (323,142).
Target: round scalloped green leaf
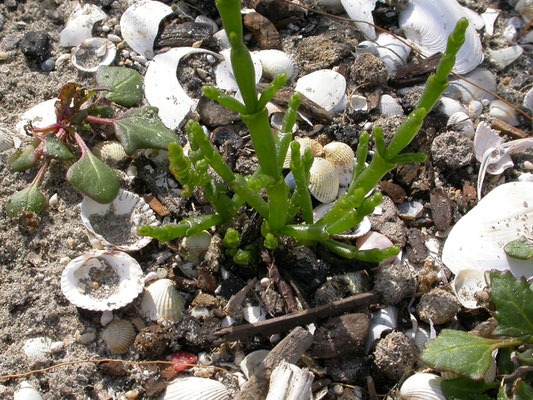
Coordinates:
(29,199)
(125,84)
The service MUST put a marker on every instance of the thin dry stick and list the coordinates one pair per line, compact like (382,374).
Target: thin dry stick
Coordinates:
(110,360)
(525,30)
(525,114)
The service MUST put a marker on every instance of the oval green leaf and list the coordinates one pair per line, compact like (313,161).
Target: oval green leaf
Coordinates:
(55,148)
(29,199)
(24,159)
(125,84)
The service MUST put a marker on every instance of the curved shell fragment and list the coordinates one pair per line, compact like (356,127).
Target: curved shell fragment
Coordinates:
(465,91)
(466,284)
(461,122)
(80,24)
(361,12)
(92,53)
(422,386)
(27,392)
(489,17)
(505,57)
(325,87)
(503,111)
(392,51)
(390,107)
(40,116)
(224,72)
(163,90)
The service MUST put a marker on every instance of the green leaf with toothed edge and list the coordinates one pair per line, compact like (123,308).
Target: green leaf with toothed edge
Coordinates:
(125,84)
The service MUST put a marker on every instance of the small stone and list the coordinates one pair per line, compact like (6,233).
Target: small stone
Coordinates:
(395,355)
(350,370)
(441,209)
(213,114)
(87,338)
(369,70)
(263,30)
(394,191)
(11,42)
(132,394)
(205,300)
(206,280)
(342,336)
(154,387)
(35,45)
(151,342)
(48,65)
(394,283)
(416,251)
(438,306)
(452,149)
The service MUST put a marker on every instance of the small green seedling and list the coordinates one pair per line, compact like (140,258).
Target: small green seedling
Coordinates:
(80,110)
(507,354)
(283,211)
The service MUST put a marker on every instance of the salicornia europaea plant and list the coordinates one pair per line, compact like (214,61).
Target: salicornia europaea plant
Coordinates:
(281,207)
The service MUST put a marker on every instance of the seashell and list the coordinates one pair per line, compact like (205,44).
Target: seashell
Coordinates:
(475,108)
(385,319)
(110,151)
(358,103)
(422,386)
(489,18)
(37,348)
(466,284)
(428,23)
(361,11)
(202,19)
(375,240)
(252,361)
(339,154)
(128,209)
(525,8)
(323,180)
(499,109)
(505,57)
(389,106)
(528,100)
(221,40)
(27,391)
(482,77)
(193,388)
(163,90)
(359,230)
(92,53)
(449,106)
(305,143)
(40,116)
(277,62)
(224,72)
(392,51)
(254,314)
(161,300)
(345,173)
(487,140)
(6,140)
(196,245)
(410,209)
(276,121)
(119,336)
(139,25)
(477,240)
(474,19)
(366,46)
(126,278)
(461,122)
(325,87)
(80,24)
(287,381)
(512,28)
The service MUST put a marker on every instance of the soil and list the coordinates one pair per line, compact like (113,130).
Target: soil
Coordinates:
(33,253)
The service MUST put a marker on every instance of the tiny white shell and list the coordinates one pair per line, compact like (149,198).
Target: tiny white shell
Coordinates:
(195,246)
(525,8)
(129,272)
(323,180)
(139,25)
(119,336)
(224,72)
(277,62)
(489,17)
(193,388)
(475,108)
(37,348)
(359,230)
(499,109)
(254,314)
(361,10)
(390,107)
(385,319)
(410,209)
(325,87)
(110,151)
(466,284)
(27,392)
(345,173)
(252,361)
(505,57)
(449,106)
(461,122)
(161,300)
(487,139)
(375,240)
(80,24)
(92,53)
(358,103)
(221,40)
(125,204)
(338,153)
(422,386)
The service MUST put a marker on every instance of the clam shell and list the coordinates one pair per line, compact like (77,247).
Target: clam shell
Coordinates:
(389,106)
(125,204)
(467,92)
(385,319)
(466,284)
(254,314)
(224,72)
(193,388)
(525,8)
(110,151)
(130,276)
(461,122)
(277,62)
(410,209)
(499,109)
(361,10)
(477,240)
(489,18)
(163,90)
(358,103)
(475,108)
(487,139)
(139,25)
(422,386)
(80,24)
(161,300)
(505,57)
(324,87)
(6,140)
(323,180)
(449,106)
(392,51)
(119,336)
(37,348)
(252,361)
(305,143)
(195,246)
(375,240)
(92,53)
(40,116)
(27,392)
(345,173)
(339,154)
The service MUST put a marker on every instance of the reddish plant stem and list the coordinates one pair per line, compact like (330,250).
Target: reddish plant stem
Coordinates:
(100,120)
(50,128)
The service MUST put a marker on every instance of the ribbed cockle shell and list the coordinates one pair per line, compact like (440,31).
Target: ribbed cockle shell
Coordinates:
(161,300)
(119,336)
(323,180)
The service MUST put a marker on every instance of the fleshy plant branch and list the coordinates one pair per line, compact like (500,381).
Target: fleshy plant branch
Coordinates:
(281,209)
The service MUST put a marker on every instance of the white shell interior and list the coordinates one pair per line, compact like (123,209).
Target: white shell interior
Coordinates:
(92,53)
(325,87)
(80,24)
(466,284)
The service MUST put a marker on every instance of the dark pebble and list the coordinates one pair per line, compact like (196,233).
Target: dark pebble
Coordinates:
(151,342)
(48,65)
(304,266)
(342,336)
(35,45)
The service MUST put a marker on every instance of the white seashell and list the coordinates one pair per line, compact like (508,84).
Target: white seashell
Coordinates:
(224,72)
(366,46)
(195,246)
(512,28)
(449,106)
(489,17)
(321,210)
(27,392)
(385,319)
(345,173)
(107,317)
(139,25)
(193,388)
(375,240)
(325,87)
(467,92)
(161,300)
(277,62)
(127,206)
(202,19)
(392,51)
(474,19)
(323,180)
(221,40)
(358,103)
(339,154)
(422,386)
(525,8)
(477,240)
(305,143)
(475,108)
(163,90)
(461,122)
(528,100)
(361,10)
(6,140)
(290,382)
(119,336)
(428,23)
(37,348)
(390,107)
(466,284)
(410,209)
(252,361)
(80,24)
(110,151)
(486,139)
(40,116)
(128,273)
(505,57)
(499,109)
(276,121)
(92,53)
(254,314)
(359,230)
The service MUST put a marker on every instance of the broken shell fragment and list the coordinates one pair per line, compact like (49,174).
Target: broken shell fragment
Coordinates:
(489,18)
(505,57)
(392,51)
(193,388)
(338,153)
(466,284)
(461,122)
(102,280)
(224,72)
(323,180)
(389,106)
(252,361)
(80,24)
(40,116)
(92,53)
(277,62)
(139,25)
(128,209)
(161,300)
(466,91)
(119,336)
(195,246)
(6,140)
(501,110)
(422,386)
(27,392)
(361,12)
(325,87)
(37,348)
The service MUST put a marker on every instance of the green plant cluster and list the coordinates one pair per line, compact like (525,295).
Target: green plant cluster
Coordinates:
(78,111)
(282,209)
(507,354)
